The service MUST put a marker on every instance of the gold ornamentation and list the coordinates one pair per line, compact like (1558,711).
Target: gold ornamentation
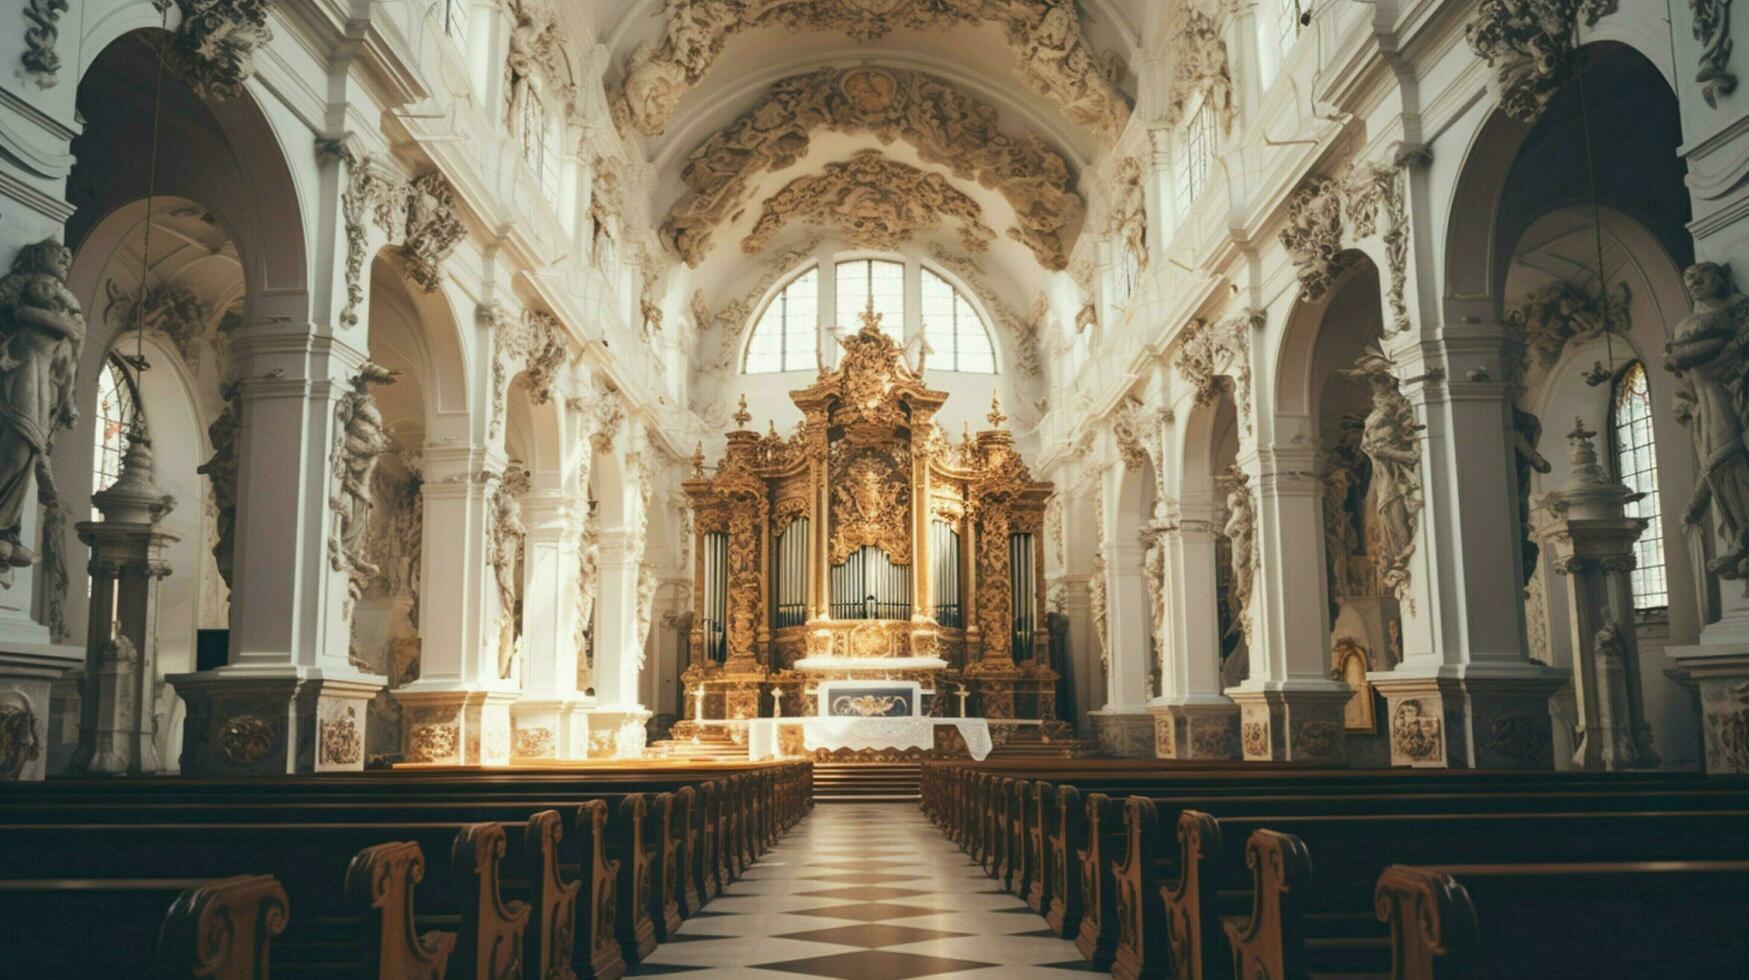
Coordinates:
(338,739)
(995,418)
(879,203)
(532,743)
(948,128)
(866,705)
(871,505)
(1417,734)
(245,739)
(742,416)
(434,742)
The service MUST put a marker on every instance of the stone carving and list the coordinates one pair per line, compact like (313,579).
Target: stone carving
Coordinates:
(1254,735)
(245,739)
(1345,486)
(1313,236)
(1209,350)
(1708,356)
(1240,530)
(1316,739)
(338,741)
(1530,44)
(57,518)
(1154,570)
(166,308)
(370,194)
(1375,191)
(650,272)
(645,610)
(1138,431)
(1388,438)
(1416,733)
(878,203)
(947,127)
(1096,608)
(41,332)
(871,505)
(1553,317)
(532,743)
(606,204)
(534,48)
(433,742)
(1712,28)
(359,441)
(1725,726)
(1129,211)
(1024,329)
(1046,36)
(39,57)
(432,229)
(505,538)
(1201,69)
(213,47)
(20,745)
(220,469)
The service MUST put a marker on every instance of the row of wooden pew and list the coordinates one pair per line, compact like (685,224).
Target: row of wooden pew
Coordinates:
(549,873)
(1157,868)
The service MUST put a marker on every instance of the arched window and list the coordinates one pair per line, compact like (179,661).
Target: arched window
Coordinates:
(1636,465)
(956,333)
(862,280)
(787,336)
(1196,149)
(118,410)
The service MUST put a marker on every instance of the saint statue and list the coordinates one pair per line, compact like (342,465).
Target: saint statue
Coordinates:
(1387,437)
(1708,354)
(505,543)
(41,332)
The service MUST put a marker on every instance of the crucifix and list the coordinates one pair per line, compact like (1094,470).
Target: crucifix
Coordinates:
(964,692)
(698,703)
(777,702)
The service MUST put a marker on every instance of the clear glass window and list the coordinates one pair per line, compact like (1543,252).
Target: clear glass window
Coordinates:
(957,336)
(787,336)
(1636,465)
(1287,23)
(1190,168)
(455,22)
(860,280)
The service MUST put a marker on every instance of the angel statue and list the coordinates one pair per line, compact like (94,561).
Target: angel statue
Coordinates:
(41,331)
(361,441)
(1710,354)
(1388,438)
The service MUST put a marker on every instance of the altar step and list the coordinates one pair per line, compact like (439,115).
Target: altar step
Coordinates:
(866,782)
(712,745)
(1028,743)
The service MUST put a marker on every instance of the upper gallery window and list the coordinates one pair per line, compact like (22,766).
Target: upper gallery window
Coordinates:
(1636,465)
(1196,148)
(118,410)
(787,336)
(880,280)
(955,332)
(455,22)
(1287,23)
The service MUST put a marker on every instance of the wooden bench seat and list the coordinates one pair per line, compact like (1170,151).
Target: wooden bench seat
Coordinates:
(186,928)
(1639,919)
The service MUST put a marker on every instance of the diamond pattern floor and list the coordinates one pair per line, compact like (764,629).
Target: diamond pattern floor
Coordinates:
(866,890)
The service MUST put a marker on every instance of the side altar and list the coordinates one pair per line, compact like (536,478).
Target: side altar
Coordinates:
(868,547)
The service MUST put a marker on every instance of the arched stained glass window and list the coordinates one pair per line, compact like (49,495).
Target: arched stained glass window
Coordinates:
(118,409)
(1636,465)
(860,280)
(787,336)
(956,333)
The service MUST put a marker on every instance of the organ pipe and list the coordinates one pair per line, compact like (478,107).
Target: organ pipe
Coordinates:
(869,586)
(791,562)
(944,554)
(1021,580)
(716,595)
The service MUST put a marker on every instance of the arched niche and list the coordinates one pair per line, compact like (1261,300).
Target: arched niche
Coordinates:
(1210,453)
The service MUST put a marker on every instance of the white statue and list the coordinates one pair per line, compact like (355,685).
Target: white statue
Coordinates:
(41,332)
(1708,354)
(504,542)
(1387,438)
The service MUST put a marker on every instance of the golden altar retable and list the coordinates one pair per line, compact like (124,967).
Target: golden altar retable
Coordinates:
(869,467)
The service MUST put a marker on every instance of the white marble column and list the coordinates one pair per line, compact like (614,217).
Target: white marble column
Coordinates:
(1193,719)
(1290,707)
(1466,682)
(458,711)
(548,722)
(617,648)
(1123,724)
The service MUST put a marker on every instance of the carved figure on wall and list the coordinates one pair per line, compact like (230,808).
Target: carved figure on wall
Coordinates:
(1530,44)
(534,46)
(1240,530)
(871,505)
(41,332)
(1710,354)
(1313,236)
(19,742)
(220,469)
(40,60)
(1527,431)
(360,439)
(1388,438)
(1154,568)
(646,608)
(504,549)
(1416,733)
(166,308)
(213,48)
(589,562)
(1201,68)
(879,203)
(1096,608)
(1345,484)
(1129,213)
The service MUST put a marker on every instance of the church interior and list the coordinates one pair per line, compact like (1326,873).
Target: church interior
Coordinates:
(873,489)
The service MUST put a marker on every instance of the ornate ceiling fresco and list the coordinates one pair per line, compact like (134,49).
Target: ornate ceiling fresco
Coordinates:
(1052,51)
(876,202)
(946,126)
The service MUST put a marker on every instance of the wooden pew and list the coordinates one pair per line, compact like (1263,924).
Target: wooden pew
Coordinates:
(1566,920)
(1298,923)
(203,928)
(379,888)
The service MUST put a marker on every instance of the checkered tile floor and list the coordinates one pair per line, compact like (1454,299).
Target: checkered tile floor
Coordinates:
(865,890)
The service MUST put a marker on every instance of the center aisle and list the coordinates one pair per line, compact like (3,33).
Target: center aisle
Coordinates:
(865,890)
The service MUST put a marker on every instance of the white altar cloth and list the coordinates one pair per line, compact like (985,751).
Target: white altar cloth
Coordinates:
(860,734)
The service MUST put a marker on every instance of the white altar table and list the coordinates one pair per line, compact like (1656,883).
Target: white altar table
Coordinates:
(858,734)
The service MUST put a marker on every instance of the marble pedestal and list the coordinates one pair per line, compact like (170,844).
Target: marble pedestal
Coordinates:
(1480,719)
(1124,733)
(617,731)
(273,720)
(1195,729)
(1299,724)
(461,728)
(27,670)
(1720,675)
(549,728)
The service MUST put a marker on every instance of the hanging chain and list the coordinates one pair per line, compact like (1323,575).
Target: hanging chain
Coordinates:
(1600,372)
(138,361)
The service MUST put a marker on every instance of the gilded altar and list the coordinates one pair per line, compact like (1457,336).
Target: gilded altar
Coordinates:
(868,544)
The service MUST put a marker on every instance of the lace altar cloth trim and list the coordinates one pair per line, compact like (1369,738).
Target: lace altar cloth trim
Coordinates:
(860,734)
